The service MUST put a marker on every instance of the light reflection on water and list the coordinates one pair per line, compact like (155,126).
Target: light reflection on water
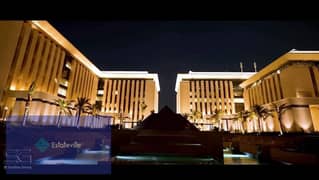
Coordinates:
(238,159)
(87,157)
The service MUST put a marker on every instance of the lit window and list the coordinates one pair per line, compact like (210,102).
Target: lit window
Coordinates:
(13,87)
(278,71)
(100,92)
(68,65)
(62,91)
(64,83)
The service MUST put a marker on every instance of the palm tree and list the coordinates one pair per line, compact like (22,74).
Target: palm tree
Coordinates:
(143,107)
(261,113)
(28,102)
(242,117)
(64,107)
(279,109)
(82,105)
(192,116)
(216,117)
(94,111)
(195,115)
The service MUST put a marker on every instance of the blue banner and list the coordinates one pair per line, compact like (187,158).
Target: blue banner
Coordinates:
(58,149)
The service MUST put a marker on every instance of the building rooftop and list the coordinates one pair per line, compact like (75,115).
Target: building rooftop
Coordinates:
(132,75)
(293,55)
(211,75)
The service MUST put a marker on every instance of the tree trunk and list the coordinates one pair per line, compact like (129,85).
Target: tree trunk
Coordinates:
(242,127)
(26,113)
(25,116)
(259,126)
(78,120)
(92,122)
(280,125)
(226,124)
(59,116)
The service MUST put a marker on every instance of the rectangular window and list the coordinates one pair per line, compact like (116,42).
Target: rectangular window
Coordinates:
(101,84)
(124,100)
(100,92)
(205,83)
(111,95)
(62,91)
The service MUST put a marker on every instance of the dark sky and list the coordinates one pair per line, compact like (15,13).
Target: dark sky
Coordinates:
(171,47)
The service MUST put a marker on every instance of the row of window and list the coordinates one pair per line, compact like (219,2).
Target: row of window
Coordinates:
(265,91)
(213,89)
(212,94)
(125,96)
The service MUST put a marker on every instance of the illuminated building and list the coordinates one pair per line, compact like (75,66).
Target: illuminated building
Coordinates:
(291,82)
(123,94)
(34,51)
(209,92)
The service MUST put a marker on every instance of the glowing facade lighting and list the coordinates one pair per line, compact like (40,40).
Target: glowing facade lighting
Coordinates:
(61,40)
(291,56)
(100,92)
(12,87)
(62,91)
(131,75)
(212,75)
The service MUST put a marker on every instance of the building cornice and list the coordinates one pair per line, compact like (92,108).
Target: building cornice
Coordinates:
(292,55)
(211,75)
(47,28)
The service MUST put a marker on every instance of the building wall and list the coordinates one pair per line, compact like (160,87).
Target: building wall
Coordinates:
(314,109)
(206,96)
(264,91)
(83,83)
(295,80)
(184,97)
(9,37)
(126,96)
(292,80)
(31,55)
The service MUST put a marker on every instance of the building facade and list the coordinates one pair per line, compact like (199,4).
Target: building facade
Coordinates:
(209,92)
(128,96)
(34,52)
(289,86)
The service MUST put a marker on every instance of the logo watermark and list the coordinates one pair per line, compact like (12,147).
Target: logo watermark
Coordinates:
(42,145)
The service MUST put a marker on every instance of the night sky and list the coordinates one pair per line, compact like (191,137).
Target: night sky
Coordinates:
(171,47)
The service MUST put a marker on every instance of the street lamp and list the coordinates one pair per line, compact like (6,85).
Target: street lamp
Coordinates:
(5,113)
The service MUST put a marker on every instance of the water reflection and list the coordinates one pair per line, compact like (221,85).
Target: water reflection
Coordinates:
(238,159)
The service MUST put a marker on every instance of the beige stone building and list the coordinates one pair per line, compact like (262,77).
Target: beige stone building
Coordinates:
(290,82)
(124,93)
(209,92)
(34,51)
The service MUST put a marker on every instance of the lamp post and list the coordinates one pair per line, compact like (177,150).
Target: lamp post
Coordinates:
(5,113)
